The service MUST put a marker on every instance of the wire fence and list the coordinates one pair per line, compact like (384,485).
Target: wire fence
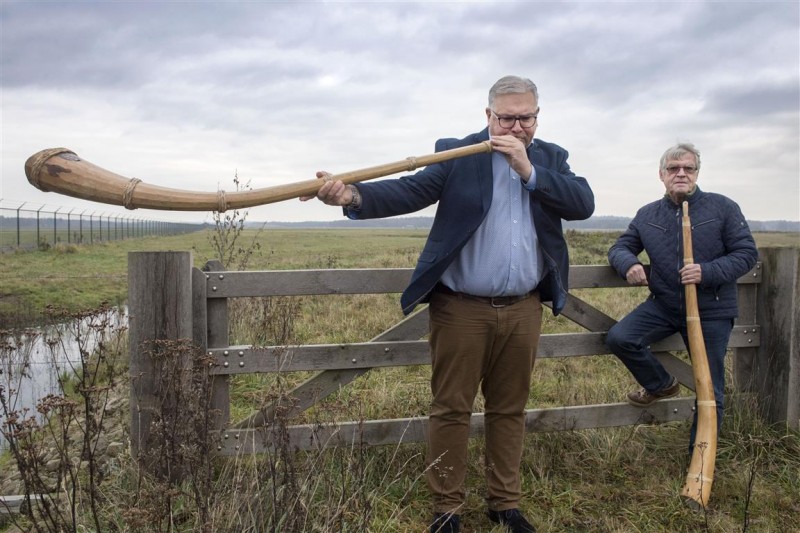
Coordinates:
(22,228)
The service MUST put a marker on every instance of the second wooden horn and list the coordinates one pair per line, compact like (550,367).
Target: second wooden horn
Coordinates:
(700,476)
(61,170)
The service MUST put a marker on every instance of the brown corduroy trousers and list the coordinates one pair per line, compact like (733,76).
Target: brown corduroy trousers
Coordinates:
(475,344)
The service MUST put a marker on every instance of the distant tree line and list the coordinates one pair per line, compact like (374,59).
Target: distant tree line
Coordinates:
(598,223)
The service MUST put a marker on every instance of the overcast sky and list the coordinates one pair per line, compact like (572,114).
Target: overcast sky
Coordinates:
(188,94)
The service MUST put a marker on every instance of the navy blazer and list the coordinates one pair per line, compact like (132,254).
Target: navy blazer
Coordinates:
(463,188)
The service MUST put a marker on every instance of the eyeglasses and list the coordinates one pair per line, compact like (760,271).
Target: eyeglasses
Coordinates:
(526,121)
(674,169)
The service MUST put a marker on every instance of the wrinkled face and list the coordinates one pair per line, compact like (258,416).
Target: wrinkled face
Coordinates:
(680,176)
(507,106)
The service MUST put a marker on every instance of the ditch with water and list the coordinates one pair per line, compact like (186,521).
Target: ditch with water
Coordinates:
(35,361)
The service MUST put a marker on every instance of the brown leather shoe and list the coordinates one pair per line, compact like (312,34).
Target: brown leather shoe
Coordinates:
(642,398)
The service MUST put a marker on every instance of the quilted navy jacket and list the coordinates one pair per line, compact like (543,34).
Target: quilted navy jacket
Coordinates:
(721,243)
(463,188)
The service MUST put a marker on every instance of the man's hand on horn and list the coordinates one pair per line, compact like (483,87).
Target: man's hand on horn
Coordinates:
(332,192)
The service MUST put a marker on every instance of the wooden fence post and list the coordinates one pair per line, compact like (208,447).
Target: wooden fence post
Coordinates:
(776,372)
(744,360)
(217,336)
(160,309)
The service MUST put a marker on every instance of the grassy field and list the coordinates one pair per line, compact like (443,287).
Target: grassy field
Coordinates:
(82,276)
(616,480)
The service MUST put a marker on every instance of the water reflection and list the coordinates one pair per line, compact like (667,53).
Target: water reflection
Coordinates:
(34,361)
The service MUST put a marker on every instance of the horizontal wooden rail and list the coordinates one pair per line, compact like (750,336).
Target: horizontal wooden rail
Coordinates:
(407,430)
(14,504)
(247,359)
(236,284)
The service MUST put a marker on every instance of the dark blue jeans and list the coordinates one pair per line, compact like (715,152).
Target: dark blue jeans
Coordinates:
(630,339)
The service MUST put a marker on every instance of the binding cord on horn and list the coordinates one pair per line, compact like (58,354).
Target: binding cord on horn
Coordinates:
(222,205)
(127,197)
(33,167)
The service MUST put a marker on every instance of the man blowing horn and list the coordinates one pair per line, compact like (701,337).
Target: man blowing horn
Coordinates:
(494,253)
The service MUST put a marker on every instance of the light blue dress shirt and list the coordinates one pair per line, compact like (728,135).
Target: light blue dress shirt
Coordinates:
(503,257)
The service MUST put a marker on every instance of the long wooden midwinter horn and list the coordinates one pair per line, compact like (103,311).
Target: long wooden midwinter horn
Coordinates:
(60,170)
(700,476)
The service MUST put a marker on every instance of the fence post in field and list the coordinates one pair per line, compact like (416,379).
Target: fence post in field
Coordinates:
(160,309)
(776,369)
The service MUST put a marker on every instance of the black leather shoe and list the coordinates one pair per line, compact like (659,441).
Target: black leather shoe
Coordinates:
(446,523)
(513,520)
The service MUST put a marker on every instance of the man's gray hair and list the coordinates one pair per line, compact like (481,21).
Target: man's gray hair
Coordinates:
(677,152)
(512,85)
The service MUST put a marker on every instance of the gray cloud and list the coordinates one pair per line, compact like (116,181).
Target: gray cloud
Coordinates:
(758,100)
(279,90)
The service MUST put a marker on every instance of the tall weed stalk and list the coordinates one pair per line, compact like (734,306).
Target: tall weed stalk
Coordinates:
(59,450)
(226,237)
(174,487)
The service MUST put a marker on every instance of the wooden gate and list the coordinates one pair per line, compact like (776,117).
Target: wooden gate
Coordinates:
(170,300)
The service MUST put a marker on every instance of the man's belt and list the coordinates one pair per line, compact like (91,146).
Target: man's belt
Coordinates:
(494,301)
